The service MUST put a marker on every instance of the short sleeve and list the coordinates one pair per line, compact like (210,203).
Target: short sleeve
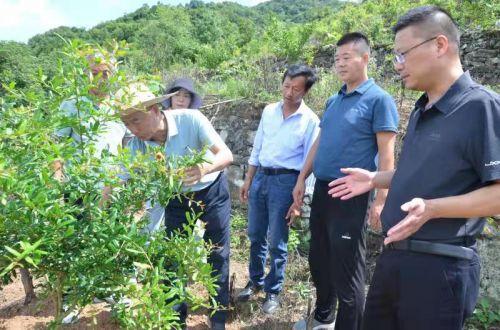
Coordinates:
(206,132)
(257,144)
(328,103)
(385,115)
(485,146)
(110,138)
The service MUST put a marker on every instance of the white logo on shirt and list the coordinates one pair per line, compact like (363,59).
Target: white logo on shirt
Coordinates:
(346,236)
(493,163)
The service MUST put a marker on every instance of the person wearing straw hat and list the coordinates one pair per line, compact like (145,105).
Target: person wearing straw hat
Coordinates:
(109,138)
(181,132)
(112,133)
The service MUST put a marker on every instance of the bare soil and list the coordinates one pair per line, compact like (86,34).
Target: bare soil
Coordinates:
(14,315)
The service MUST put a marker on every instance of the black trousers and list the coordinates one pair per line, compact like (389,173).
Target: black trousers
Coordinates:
(216,216)
(337,256)
(411,291)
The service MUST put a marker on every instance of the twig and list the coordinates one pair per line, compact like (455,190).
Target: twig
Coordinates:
(221,102)
(218,106)
(215,114)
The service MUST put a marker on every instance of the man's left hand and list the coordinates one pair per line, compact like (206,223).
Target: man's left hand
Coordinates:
(293,213)
(419,212)
(193,175)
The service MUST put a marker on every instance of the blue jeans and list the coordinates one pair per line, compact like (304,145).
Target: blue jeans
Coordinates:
(270,197)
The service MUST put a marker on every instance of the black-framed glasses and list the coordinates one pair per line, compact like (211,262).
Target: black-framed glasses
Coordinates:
(399,57)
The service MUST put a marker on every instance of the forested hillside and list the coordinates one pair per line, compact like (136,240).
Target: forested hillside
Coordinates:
(222,42)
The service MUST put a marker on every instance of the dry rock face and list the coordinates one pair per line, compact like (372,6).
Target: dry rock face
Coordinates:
(237,123)
(489,251)
(479,50)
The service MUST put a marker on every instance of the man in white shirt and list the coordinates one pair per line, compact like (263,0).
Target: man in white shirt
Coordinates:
(286,132)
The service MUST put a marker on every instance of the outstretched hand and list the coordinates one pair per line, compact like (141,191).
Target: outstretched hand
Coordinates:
(356,182)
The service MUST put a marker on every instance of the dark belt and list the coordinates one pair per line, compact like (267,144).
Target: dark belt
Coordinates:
(276,171)
(441,249)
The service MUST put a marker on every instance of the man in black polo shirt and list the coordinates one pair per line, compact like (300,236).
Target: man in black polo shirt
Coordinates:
(447,180)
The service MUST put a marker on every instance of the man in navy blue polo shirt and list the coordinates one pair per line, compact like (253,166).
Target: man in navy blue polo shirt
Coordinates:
(360,121)
(447,180)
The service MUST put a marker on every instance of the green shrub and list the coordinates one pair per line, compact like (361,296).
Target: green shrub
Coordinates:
(61,232)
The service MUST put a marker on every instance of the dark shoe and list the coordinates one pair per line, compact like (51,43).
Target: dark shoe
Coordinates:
(216,325)
(182,309)
(271,304)
(310,323)
(249,291)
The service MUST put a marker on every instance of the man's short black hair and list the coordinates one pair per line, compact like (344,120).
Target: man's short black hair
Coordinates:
(432,20)
(357,38)
(297,70)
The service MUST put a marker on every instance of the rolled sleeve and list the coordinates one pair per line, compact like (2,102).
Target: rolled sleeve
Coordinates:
(257,145)
(311,135)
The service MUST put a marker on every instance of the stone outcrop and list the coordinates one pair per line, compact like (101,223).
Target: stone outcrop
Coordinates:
(236,123)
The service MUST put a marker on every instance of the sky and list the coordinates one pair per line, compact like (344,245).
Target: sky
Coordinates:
(22,19)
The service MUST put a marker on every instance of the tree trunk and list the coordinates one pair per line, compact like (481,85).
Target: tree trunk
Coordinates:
(29,289)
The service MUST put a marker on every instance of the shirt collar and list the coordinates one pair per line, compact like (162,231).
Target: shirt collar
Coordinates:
(446,103)
(300,111)
(361,89)
(172,126)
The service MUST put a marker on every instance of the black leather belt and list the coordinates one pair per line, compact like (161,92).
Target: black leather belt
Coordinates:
(441,249)
(276,171)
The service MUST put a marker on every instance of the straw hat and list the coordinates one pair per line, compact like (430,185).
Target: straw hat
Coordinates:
(137,97)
